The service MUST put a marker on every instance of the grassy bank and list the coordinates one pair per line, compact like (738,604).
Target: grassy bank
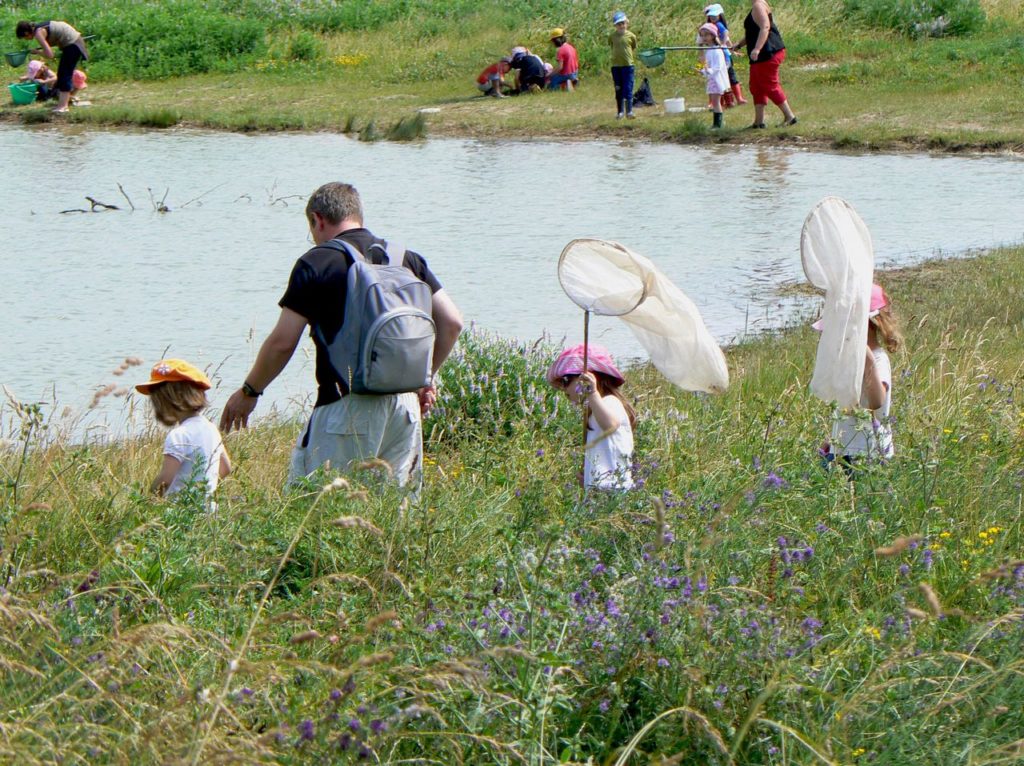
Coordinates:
(743,607)
(855,76)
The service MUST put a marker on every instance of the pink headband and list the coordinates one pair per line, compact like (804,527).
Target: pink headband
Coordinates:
(570,362)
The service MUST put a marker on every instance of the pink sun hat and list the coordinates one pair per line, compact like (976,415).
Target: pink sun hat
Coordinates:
(879,300)
(34,67)
(710,28)
(570,362)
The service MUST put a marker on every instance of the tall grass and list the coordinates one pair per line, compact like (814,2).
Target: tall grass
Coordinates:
(743,606)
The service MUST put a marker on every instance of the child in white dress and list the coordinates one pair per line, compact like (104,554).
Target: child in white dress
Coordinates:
(194,451)
(608,461)
(867,435)
(716,70)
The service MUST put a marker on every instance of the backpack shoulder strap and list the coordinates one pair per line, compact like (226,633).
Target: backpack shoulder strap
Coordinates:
(393,253)
(344,247)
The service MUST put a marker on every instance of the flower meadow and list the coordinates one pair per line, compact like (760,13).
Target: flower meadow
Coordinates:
(744,605)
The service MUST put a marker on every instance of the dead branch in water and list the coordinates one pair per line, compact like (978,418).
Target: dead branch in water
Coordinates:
(97,204)
(161,206)
(125,195)
(196,199)
(93,204)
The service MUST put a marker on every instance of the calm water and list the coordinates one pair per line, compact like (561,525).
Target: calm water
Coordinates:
(81,292)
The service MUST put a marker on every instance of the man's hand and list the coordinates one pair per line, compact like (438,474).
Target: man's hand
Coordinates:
(237,411)
(428,398)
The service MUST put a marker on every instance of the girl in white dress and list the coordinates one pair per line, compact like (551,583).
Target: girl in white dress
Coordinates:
(716,70)
(607,464)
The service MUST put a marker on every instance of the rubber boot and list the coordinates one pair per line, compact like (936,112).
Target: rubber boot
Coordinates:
(727,100)
(737,91)
(717,120)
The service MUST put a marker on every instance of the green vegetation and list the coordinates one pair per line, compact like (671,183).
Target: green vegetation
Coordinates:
(744,606)
(860,73)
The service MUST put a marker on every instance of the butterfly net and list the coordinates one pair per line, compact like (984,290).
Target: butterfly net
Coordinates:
(609,279)
(837,256)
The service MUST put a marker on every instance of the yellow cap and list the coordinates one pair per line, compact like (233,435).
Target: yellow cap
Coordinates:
(556,32)
(170,370)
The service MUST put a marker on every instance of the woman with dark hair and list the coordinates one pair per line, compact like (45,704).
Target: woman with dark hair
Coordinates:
(57,34)
(766,52)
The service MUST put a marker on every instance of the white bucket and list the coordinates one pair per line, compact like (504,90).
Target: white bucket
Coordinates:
(675,105)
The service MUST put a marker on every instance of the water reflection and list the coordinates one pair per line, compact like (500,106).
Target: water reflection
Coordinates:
(491,217)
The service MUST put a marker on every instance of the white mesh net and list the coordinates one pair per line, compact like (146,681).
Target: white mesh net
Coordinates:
(835,247)
(610,279)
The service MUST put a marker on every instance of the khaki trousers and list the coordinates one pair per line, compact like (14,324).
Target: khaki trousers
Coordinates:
(359,427)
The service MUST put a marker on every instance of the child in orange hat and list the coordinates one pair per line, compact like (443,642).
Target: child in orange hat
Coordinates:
(194,451)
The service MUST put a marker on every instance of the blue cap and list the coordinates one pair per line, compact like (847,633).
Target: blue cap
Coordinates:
(618,17)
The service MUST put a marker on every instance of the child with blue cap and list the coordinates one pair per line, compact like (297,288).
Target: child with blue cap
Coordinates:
(623,45)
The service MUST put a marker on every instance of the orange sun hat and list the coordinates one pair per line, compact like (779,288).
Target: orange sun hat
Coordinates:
(171,370)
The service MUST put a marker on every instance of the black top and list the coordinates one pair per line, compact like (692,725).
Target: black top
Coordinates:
(529,66)
(317,289)
(772,45)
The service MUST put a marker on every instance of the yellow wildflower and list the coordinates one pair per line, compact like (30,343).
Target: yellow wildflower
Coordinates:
(944,534)
(858,752)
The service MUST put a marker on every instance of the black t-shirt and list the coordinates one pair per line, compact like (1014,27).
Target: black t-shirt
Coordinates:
(530,67)
(317,289)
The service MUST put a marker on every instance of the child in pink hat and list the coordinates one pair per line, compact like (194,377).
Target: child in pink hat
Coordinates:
(856,436)
(609,455)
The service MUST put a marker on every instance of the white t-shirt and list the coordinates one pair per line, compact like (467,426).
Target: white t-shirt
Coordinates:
(853,435)
(716,70)
(197,443)
(607,462)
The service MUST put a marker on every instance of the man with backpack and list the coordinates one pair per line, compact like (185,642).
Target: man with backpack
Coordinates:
(382,326)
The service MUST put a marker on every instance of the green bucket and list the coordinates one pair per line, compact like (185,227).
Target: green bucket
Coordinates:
(23,92)
(652,57)
(16,58)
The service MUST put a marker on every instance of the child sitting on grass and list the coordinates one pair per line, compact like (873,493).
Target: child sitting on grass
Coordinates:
(855,437)
(193,450)
(609,452)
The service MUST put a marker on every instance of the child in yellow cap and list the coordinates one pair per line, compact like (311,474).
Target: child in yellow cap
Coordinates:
(194,451)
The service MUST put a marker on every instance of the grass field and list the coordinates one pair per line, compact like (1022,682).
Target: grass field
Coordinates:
(852,83)
(743,606)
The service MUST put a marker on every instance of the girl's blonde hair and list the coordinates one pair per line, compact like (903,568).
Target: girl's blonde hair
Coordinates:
(177,400)
(887,329)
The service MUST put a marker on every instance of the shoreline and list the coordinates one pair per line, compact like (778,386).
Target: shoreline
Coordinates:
(773,138)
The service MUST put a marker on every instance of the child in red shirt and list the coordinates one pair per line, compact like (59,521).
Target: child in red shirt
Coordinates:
(491,80)
(568,61)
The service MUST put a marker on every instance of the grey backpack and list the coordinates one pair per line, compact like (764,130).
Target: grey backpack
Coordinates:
(386,343)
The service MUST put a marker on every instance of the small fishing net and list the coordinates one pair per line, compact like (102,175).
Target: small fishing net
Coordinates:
(837,256)
(609,279)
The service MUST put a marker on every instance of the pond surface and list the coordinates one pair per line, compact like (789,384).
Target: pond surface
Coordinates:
(84,291)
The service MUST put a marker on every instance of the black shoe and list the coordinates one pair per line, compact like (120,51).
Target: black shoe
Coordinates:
(792,121)
(757,126)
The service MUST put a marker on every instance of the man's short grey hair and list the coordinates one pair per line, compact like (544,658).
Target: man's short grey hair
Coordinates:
(335,202)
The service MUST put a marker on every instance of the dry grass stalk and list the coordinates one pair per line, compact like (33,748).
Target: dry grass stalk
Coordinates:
(379,620)
(304,637)
(374,464)
(288,617)
(356,522)
(916,613)
(931,598)
(369,660)
(897,546)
